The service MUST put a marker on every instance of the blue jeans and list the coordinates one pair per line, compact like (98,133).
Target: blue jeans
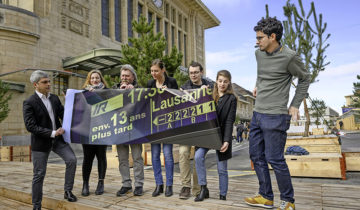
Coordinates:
(169,163)
(266,145)
(201,170)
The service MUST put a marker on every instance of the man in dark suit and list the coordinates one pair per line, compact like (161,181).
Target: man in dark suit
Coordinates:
(42,113)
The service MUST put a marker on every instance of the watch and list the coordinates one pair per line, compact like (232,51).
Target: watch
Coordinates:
(158,3)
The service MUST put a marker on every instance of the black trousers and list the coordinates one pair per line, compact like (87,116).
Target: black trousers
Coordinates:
(90,151)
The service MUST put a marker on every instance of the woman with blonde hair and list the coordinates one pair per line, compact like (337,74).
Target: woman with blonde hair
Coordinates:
(225,102)
(94,81)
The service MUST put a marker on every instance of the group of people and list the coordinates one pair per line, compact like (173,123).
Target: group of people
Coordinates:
(240,129)
(276,66)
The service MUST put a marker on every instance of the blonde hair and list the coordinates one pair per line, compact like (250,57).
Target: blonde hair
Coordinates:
(88,78)
(229,90)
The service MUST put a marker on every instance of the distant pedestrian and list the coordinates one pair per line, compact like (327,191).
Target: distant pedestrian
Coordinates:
(240,130)
(341,125)
(246,130)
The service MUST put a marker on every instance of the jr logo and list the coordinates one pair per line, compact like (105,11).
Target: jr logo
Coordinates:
(99,108)
(107,105)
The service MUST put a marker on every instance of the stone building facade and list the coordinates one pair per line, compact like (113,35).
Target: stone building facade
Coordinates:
(41,34)
(246,103)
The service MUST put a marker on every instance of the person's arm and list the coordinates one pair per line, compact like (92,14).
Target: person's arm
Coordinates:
(297,69)
(30,122)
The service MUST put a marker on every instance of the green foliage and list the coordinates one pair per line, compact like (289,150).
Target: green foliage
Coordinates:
(356,92)
(111,81)
(299,34)
(4,99)
(317,110)
(237,119)
(148,46)
(181,77)
(172,63)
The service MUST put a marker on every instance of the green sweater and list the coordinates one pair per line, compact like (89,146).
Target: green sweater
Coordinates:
(274,76)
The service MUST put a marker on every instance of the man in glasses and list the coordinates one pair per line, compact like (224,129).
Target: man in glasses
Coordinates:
(276,67)
(42,114)
(196,81)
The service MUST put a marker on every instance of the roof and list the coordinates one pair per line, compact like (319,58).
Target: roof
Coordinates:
(242,91)
(101,59)
(200,7)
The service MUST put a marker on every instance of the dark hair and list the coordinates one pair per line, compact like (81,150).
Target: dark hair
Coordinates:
(158,62)
(196,64)
(269,26)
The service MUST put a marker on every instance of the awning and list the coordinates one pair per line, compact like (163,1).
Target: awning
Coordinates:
(102,59)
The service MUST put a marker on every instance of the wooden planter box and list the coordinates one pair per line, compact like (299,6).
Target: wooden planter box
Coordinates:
(325,158)
(352,161)
(328,165)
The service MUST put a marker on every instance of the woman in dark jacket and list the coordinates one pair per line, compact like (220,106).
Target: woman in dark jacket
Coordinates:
(94,81)
(225,101)
(161,80)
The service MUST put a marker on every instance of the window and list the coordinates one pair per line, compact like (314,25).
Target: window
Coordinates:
(185,54)
(185,24)
(173,15)
(150,15)
(130,17)
(180,21)
(60,84)
(167,11)
(172,36)
(166,26)
(105,17)
(158,22)
(179,40)
(117,5)
(140,7)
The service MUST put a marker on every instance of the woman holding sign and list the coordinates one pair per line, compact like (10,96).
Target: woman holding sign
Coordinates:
(161,80)
(94,81)
(225,102)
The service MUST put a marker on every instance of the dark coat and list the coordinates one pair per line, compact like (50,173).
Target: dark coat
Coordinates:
(38,123)
(226,112)
(189,85)
(169,82)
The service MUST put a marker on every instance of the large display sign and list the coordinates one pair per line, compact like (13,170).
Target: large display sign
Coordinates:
(141,115)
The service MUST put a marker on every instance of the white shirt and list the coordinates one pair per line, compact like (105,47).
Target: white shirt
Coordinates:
(47,103)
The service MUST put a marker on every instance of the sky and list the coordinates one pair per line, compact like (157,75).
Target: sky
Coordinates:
(231,44)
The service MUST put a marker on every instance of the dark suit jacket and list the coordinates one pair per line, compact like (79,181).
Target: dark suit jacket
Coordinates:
(38,123)
(169,82)
(226,112)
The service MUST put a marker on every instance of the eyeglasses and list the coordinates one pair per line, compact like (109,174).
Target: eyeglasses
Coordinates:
(194,72)
(259,38)
(44,82)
